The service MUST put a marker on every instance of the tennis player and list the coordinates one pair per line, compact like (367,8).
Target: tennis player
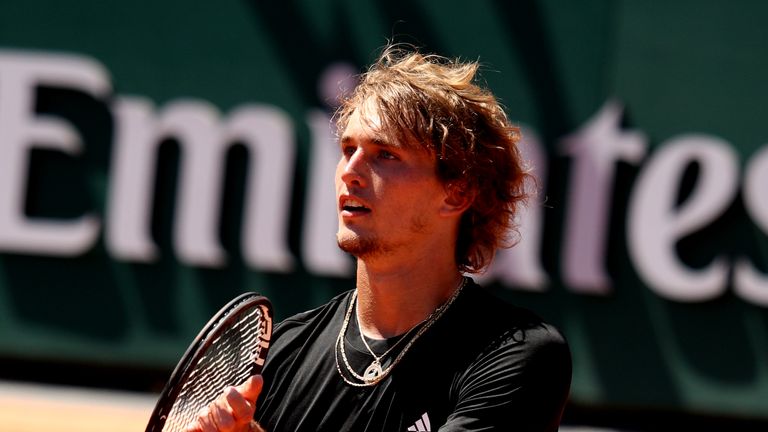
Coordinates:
(428,183)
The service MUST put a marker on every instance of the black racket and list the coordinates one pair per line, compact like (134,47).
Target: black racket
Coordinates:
(230,348)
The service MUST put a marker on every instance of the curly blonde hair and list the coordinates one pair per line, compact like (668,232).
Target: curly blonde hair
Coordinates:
(434,103)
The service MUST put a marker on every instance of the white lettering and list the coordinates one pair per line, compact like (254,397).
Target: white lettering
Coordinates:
(749,283)
(266,133)
(195,126)
(134,158)
(595,148)
(22,130)
(656,223)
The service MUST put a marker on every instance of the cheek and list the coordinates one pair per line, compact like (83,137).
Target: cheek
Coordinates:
(418,196)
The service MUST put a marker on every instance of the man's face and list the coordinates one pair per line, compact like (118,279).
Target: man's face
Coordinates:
(388,194)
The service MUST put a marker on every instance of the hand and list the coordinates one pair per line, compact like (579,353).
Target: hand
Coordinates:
(232,411)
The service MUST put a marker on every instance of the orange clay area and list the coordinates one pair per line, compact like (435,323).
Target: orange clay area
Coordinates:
(35,408)
(41,408)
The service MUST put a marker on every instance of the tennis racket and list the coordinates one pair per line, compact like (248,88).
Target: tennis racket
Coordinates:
(230,348)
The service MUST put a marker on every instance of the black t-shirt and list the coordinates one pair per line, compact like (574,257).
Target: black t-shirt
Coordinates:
(484,365)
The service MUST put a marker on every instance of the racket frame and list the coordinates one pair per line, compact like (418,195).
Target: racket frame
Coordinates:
(207,335)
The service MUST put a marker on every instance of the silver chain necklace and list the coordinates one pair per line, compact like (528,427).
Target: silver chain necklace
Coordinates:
(374,373)
(375,368)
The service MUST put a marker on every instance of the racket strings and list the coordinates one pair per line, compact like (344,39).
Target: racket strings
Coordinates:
(229,360)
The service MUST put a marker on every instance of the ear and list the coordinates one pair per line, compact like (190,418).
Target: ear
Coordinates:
(458,198)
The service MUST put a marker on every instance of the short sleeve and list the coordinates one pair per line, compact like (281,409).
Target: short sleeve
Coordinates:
(520,382)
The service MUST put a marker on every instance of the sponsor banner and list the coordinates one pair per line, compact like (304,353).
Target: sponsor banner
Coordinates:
(158,159)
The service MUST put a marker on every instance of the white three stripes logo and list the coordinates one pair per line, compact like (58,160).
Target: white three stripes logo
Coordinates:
(422,425)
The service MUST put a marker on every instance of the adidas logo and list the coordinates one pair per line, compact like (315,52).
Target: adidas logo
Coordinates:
(422,424)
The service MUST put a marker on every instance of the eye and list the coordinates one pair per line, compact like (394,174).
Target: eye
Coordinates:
(385,154)
(348,150)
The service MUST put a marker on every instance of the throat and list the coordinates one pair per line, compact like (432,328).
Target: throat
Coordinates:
(384,313)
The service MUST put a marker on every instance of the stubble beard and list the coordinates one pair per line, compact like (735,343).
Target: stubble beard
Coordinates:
(360,247)
(364,247)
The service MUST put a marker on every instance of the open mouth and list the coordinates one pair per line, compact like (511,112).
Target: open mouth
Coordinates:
(354,206)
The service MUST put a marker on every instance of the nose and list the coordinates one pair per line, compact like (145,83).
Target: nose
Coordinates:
(352,169)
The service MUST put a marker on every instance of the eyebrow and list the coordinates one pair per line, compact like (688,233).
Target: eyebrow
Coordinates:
(376,140)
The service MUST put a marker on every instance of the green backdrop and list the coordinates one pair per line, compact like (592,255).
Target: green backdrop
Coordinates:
(674,68)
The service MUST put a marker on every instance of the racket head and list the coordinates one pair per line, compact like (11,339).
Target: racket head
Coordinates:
(231,347)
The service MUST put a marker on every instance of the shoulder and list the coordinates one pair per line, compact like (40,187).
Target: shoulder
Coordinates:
(517,372)
(515,323)
(298,333)
(296,323)
(512,338)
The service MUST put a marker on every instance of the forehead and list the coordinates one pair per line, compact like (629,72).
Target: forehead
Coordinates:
(366,123)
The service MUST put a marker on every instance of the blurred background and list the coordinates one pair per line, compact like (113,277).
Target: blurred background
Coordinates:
(159,157)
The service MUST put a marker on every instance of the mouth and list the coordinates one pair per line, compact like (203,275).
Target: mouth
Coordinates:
(353,207)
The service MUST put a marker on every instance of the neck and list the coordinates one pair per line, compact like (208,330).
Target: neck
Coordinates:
(392,300)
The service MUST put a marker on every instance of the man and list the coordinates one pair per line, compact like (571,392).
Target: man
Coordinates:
(427,184)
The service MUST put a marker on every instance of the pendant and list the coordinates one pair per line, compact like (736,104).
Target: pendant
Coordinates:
(374,371)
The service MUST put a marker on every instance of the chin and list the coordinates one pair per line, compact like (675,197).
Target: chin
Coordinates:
(358,246)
